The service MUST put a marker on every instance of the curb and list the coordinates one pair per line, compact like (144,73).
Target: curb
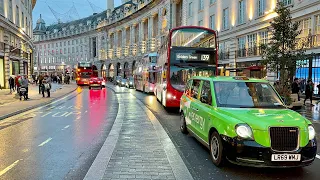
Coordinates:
(100,164)
(33,107)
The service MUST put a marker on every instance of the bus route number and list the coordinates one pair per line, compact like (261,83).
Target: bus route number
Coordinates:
(205,57)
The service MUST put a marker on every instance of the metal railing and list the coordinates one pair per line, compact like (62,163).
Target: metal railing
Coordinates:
(224,55)
(249,52)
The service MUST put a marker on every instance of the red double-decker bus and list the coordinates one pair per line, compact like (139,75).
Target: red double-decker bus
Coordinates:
(188,51)
(85,70)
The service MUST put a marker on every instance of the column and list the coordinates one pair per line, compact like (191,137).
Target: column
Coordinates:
(150,24)
(133,33)
(184,12)
(141,37)
(6,65)
(21,62)
(173,15)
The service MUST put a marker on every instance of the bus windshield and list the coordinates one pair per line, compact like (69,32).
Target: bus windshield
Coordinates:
(85,74)
(179,75)
(193,37)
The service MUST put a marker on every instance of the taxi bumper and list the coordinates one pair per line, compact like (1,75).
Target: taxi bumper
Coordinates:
(250,153)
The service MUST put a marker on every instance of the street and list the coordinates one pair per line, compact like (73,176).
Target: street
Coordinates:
(59,140)
(62,139)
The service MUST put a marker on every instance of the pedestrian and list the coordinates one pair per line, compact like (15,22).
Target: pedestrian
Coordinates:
(48,87)
(318,86)
(42,87)
(25,84)
(309,92)
(295,88)
(11,84)
(40,78)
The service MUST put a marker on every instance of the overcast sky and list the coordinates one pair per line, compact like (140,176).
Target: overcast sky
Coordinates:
(64,9)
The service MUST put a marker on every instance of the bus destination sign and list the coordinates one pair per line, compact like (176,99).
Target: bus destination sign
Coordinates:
(192,57)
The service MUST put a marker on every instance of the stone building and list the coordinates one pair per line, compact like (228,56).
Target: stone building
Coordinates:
(16,48)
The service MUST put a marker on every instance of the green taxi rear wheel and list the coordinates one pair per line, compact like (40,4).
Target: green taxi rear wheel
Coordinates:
(183,125)
(216,149)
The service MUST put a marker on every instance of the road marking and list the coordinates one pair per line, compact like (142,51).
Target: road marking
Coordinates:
(66,127)
(9,167)
(317,156)
(45,142)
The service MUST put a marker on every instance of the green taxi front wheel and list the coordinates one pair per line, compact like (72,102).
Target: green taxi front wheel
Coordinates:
(216,149)
(183,125)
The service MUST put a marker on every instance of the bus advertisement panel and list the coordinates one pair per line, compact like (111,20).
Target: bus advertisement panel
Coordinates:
(144,76)
(188,51)
(84,72)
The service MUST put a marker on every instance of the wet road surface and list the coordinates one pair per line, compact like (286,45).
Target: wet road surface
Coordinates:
(197,158)
(58,141)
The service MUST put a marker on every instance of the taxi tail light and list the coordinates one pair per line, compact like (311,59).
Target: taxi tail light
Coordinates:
(91,81)
(99,81)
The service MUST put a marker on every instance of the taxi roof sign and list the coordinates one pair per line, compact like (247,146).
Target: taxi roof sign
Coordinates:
(240,78)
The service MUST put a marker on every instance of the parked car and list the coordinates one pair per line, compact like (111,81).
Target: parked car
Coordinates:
(130,82)
(117,80)
(123,82)
(95,83)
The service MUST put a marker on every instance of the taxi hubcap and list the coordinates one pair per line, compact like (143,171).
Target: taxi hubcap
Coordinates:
(214,148)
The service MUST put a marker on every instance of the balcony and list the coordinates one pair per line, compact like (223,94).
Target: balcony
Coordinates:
(143,46)
(224,55)
(152,44)
(311,41)
(133,49)
(249,52)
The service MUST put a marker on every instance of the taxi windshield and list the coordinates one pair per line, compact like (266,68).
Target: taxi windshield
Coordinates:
(246,95)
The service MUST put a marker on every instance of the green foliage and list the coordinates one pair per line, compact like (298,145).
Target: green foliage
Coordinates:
(281,54)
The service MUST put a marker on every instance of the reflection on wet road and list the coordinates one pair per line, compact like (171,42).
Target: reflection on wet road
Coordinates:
(59,140)
(197,157)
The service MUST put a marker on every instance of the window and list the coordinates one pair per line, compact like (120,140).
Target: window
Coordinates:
(68,42)
(2,7)
(263,37)
(287,2)
(225,19)
(241,11)
(206,96)
(200,23)
(187,90)
(201,5)
(190,9)
(261,7)
(212,22)
(17,16)
(241,42)
(305,27)
(10,11)
(317,25)
(22,20)
(195,88)
(252,40)
(65,43)
(212,1)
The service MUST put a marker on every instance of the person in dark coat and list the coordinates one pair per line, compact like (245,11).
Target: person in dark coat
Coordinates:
(309,92)
(11,84)
(295,87)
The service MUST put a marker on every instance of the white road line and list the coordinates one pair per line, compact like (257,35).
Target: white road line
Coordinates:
(317,156)
(9,167)
(45,142)
(66,127)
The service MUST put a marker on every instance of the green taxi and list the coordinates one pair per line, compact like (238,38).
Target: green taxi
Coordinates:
(245,122)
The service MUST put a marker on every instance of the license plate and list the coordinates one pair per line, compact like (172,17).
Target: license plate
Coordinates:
(285,157)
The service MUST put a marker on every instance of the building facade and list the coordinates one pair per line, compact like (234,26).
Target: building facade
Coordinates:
(114,40)
(60,46)
(16,48)
(124,34)
(242,27)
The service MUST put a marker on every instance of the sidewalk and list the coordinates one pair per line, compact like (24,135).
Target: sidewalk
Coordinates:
(11,105)
(137,146)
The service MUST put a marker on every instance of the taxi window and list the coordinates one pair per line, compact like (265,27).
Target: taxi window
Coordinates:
(187,90)
(195,88)
(206,96)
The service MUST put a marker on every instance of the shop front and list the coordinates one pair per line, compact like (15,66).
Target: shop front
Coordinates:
(251,69)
